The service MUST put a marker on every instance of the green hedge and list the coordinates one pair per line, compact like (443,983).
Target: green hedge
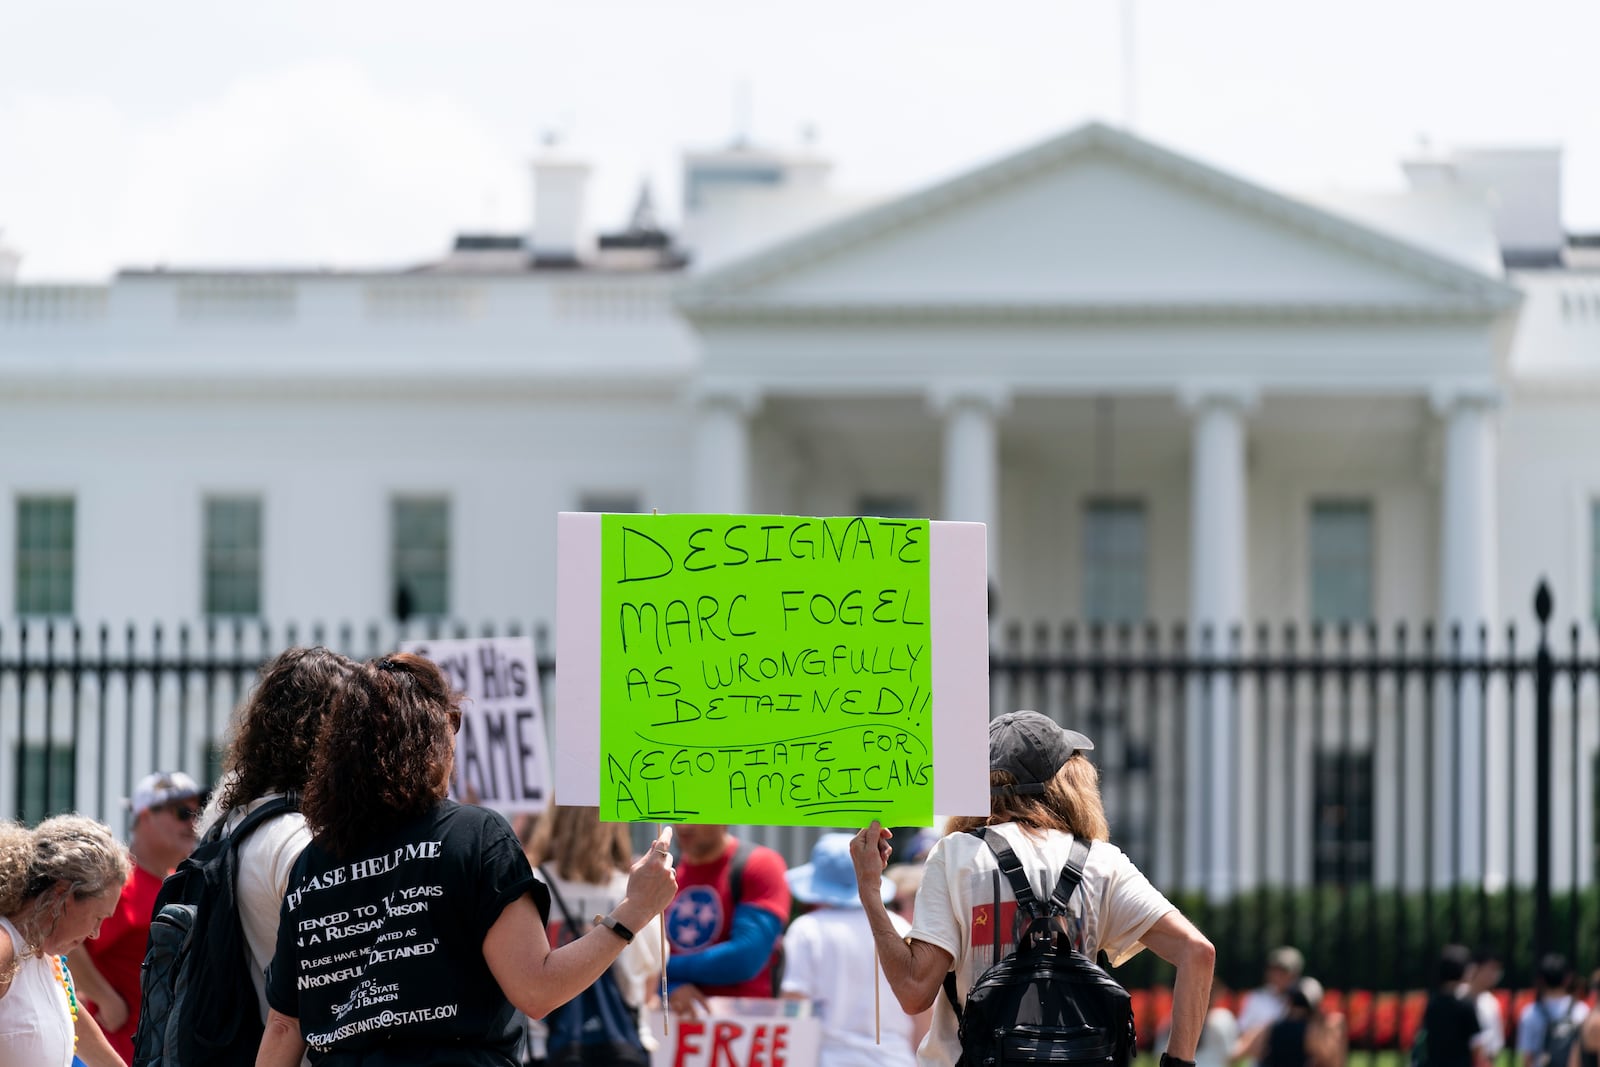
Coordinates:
(1361,938)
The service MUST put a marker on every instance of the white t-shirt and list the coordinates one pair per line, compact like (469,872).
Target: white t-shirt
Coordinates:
(1261,1007)
(1221,1030)
(962,884)
(35,1024)
(265,860)
(828,958)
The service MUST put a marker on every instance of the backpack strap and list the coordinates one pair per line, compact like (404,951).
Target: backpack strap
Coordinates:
(270,810)
(741,856)
(1071,876)
(561,905)
(950,994)
(1011,867)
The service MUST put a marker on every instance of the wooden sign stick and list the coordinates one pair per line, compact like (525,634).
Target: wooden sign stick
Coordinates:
(666,1026)
(877,1021)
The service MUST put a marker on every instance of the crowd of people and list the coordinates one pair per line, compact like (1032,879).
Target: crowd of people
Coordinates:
(386,923)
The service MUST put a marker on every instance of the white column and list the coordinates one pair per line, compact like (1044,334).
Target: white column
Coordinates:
(722,450)
(1218,592)
(1468,599)
(970,482)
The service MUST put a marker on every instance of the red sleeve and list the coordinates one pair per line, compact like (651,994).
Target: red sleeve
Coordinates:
(766,882)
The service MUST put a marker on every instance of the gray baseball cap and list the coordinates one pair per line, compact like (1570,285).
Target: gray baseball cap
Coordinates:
(1031,748)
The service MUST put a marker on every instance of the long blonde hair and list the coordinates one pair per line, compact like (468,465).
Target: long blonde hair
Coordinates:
(579,845)
(1070,803)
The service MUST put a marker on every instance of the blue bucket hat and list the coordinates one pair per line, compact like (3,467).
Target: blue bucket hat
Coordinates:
(830,877)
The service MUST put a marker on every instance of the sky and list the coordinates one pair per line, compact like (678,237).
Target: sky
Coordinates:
(357,133)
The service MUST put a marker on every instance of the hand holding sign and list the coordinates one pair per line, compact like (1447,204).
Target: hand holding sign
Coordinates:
(869,851)
(651,883)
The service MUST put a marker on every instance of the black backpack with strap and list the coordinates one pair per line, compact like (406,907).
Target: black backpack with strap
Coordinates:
(198,1004)
(1046,1002)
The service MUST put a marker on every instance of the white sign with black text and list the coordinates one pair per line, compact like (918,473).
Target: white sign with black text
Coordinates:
(502,751)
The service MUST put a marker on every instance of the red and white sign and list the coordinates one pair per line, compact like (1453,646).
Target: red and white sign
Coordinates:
(738,1041)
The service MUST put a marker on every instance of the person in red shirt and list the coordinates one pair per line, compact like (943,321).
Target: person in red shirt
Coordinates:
(722,946)
(106,968)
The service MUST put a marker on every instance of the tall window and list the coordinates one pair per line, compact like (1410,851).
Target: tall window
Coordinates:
(48,785)
(609,502)
(420,556)
(233,555)
(44,555)
(888,506)
(1341,561)
(1594,559)
(1341,808)
(1115,550)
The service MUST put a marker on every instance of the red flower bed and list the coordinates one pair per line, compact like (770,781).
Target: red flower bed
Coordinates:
(1372,1020)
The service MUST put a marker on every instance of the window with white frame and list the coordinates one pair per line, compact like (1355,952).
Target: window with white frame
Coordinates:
(44,544)
(889,506)
(1594,559)
(1341,810)
(1341,561)
(1115,556)
(609,502)
(232,538)
(48,780)
(420,555)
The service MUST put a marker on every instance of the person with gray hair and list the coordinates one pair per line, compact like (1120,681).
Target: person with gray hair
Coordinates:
(58,883)
(1044,808)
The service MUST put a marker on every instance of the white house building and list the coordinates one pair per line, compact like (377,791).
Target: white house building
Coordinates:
(1170,393)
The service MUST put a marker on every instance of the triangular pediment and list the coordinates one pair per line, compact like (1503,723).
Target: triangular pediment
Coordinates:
(1094,219)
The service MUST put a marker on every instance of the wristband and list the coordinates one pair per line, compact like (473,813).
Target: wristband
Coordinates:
(610,923)
(1173,1061)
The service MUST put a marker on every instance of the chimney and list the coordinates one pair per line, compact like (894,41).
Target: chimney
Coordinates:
(1523,189)
(559,185)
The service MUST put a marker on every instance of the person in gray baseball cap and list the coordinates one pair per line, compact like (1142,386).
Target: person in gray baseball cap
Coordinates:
(1045,808)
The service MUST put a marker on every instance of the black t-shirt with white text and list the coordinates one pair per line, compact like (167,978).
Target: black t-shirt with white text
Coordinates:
(380,955)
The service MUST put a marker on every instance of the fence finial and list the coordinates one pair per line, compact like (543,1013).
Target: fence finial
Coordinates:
(1543,602)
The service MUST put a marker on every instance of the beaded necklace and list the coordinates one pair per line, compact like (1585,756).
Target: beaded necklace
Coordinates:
(64,976)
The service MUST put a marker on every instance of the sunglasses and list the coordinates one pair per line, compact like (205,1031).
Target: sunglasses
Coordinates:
(183,813)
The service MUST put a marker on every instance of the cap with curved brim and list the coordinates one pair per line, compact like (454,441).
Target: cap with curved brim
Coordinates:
(1031,748)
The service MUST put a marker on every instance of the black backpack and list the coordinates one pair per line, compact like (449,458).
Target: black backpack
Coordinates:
(597,1026)
(1560,1031)
(198,1005)
(1046,1002)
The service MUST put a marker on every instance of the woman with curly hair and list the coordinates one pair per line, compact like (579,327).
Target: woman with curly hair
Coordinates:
(58,883)
(413,927)
(268,758)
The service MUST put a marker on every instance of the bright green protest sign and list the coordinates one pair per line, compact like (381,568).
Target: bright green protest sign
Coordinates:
(767,670)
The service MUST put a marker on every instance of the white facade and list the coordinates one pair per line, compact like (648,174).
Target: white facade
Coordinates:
(1092,318)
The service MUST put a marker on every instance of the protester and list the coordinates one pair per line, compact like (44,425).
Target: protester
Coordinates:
(724,942)
(907,879)
(1553,1013)
(165,805)
(1303,1037)
(414,927)
(1268,1003)
(1451,1031)
(1043,795)
(1482,977)
(58,884)
(269,757)
(585,862)
(827,959)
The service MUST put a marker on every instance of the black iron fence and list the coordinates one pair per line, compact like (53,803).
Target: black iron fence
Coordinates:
(1365,794)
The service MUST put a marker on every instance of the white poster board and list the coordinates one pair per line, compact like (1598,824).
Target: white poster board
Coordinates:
(959,634)
(731,1037)
(502,752)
